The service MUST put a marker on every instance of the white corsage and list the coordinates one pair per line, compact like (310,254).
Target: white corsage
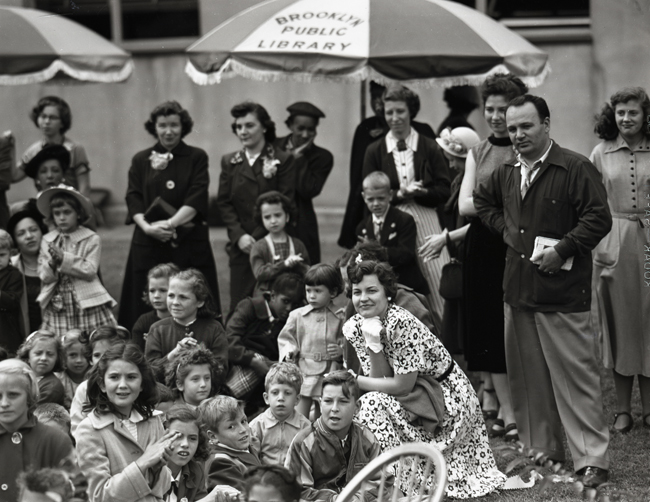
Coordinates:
(270,167)
(160,161)
(237,158)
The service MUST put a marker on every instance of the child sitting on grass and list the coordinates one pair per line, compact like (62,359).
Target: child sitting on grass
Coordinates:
(233,448)
(328,455)
(279,424)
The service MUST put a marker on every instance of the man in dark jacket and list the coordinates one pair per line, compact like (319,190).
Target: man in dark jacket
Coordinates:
(556,194)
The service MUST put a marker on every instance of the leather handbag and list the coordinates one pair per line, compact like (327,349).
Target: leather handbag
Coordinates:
(451,276)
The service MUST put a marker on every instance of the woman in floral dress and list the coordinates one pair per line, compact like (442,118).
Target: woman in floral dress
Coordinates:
(414,389)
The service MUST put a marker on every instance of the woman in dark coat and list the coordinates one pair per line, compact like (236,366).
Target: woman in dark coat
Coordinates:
(246,174)
(177,173)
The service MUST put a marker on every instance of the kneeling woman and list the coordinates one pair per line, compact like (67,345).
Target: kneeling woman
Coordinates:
(415,390)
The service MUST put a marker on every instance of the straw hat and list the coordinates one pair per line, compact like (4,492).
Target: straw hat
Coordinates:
(45,197)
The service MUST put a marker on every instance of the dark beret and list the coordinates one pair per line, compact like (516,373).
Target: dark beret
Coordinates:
(304,108)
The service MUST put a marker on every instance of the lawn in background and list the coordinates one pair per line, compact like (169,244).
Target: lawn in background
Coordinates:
(630,454)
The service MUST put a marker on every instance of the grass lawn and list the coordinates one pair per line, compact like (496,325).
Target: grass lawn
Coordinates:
(630,454)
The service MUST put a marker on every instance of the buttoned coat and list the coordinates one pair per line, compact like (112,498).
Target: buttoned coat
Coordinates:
(107,452)
(80,263)
(398,236)
(566,201)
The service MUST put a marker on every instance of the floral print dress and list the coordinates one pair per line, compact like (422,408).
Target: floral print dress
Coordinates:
(462,438)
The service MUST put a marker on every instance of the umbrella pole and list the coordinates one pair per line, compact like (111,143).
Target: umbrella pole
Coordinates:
(363,99)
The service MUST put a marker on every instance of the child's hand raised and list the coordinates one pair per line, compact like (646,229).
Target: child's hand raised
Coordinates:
(222,493)
(292,260)
(158,452)
(186,343)
(56,253)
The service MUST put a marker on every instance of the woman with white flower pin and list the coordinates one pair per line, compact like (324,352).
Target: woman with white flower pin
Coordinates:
(167,199)
(246,174)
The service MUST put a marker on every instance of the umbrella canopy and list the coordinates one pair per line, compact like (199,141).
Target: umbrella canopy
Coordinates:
(36,45)
(421,42)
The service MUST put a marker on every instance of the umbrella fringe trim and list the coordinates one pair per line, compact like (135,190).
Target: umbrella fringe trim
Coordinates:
(232,68)
(61,66)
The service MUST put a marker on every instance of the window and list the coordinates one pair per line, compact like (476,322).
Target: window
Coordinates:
(131,20)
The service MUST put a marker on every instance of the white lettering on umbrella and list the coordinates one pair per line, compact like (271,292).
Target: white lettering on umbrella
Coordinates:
(300,44)
(344,18)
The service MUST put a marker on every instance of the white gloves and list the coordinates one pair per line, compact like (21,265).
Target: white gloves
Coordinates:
(371,329)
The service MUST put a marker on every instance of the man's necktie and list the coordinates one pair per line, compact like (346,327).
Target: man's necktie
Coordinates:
(377,228)
(528,177)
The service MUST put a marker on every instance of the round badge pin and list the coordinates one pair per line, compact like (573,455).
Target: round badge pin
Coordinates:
(170,185)
(16,438)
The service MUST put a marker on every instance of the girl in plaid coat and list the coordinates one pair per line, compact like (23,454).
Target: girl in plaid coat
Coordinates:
(72,295)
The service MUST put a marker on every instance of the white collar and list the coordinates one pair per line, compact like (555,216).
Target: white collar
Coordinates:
(134,417)
(537,163)
(251,158)
(411,141)
(380,219)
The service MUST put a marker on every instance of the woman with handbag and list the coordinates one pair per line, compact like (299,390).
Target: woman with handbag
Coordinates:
(455,145)
(167,199)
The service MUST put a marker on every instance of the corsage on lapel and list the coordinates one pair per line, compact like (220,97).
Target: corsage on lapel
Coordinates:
(237,158)
(160,161)
(270,163)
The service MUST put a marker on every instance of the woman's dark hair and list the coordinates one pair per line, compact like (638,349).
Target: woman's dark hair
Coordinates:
(606,127)
(29,210)
(273,197)
(60,199)
(397,92)
(97,398)
(178,368)
(165,110)
(62,106)
(503,84)
(280,478)
(111,333)
(201,290)
(185,414)
(243,109)
(461,98)
(163,270)
(324,274)
(538,102)
(383,271)
(34,338)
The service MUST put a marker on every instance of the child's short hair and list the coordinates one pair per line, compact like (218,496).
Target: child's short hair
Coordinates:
(345,380)
(161,271)
(97,398)
(61,199)
(185,414)
(376,180)
(201,290)
(47,480)
(215,410)
(21,370)
(272,197)
(178,368)
(284,373)
(54,412)
(36,336)
(6,242)
(324,274)
(112,333)
(280,478)
(289,284)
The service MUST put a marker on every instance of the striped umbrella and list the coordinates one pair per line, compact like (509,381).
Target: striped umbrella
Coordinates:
(420,42)
(36,45)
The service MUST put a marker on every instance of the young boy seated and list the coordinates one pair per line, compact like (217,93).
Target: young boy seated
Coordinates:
(393,229)
(277,426)
(252,333)
(330,453)
(233,448)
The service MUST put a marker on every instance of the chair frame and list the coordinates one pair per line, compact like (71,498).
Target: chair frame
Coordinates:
(429,452)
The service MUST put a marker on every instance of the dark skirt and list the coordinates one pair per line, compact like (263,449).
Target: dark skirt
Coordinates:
(483,268)
(196,253)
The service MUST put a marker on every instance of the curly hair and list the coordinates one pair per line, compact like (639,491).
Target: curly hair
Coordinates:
(280,478)
(98,399)
(178,368)
(285,373)
(324,274)
(48,481)
(383,271)
(397,92)
(60,199)
(53,412)
(33,339)
(165,110)
(185,414)
(161,271)
(199,285)
(64,111)
(242,109)
(111,333)
(503,84)
(22,370)
(605,126)
(273,197)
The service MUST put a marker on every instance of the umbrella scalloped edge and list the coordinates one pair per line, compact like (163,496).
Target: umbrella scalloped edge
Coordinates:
(232,68)
(61,66)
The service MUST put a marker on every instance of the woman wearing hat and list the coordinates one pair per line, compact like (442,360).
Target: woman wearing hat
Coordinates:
(257,168)
(27,228)
(48,167)
(419,176)
(177,174)
(312,164)
(53,118)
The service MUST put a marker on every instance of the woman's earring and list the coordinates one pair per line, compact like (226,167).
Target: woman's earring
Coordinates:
(390,298)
